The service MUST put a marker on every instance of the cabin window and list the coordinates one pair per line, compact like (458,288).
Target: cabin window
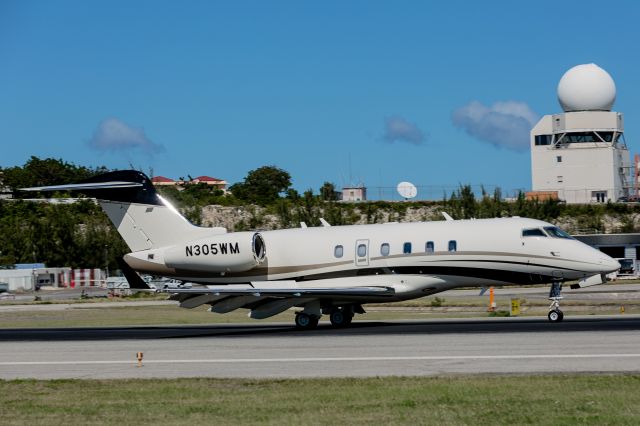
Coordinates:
(406,248)
(453,245)
(557,232)
(362,250)
(428,248)
(535,232)
(338,251)
(384,249)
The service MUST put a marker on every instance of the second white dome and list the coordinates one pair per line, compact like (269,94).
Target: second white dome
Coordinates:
(586,87)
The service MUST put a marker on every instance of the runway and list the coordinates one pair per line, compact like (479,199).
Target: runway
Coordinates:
(276,350)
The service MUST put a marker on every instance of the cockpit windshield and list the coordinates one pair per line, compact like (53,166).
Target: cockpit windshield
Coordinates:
(556,232)
(533,232)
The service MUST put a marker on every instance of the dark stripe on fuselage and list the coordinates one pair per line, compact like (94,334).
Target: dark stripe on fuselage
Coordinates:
(511,277)
(515,263)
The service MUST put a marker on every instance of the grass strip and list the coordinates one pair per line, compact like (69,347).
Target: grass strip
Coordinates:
(157,315)
(476,400)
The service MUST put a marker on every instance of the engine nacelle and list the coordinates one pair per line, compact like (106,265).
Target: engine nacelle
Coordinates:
(234,252)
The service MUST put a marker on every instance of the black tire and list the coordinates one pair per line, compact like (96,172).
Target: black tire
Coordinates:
(561,315)
(337,318)
(302,320)
(306,321)
(555,315)
(341,317)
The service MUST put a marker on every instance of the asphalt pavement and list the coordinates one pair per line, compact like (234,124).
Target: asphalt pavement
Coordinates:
(277,350)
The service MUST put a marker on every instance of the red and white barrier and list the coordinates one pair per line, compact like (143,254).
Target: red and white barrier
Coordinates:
(88,278)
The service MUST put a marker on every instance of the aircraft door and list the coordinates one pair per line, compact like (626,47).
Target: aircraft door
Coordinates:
(534,244)
(362,252)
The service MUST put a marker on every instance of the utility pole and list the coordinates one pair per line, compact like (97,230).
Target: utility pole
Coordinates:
(106,260)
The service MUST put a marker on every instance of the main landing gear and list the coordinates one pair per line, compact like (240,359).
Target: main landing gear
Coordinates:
(555,295)
(340,316)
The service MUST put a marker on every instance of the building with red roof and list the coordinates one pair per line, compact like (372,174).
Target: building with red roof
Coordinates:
(161,180)
(218,183)
(165,181)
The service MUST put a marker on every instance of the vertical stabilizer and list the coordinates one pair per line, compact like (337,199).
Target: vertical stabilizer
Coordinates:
(142,217)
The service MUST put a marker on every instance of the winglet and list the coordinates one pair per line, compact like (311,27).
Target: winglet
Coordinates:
(134,280)
(446,216)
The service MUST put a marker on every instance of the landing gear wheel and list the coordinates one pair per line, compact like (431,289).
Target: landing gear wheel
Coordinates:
(340,317)
(555,295)
(555,315)
(306,321)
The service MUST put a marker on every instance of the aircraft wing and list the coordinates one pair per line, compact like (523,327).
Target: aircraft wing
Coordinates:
(284,292)
(227,298)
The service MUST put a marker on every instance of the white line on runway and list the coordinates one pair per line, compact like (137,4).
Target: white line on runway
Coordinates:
(329,359)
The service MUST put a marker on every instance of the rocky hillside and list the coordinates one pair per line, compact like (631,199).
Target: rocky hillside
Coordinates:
(256,217)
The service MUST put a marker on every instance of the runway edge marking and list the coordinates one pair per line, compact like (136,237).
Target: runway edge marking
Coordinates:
(326,359)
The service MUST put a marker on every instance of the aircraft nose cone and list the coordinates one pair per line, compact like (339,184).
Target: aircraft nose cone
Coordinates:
(609,264)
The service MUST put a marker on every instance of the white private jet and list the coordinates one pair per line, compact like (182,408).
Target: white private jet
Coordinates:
(333,270)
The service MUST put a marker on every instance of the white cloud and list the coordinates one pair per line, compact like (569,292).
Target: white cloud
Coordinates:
(397,129)
(504,124)
(115,135)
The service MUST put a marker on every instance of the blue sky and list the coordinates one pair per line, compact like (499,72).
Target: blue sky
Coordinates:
(220,88)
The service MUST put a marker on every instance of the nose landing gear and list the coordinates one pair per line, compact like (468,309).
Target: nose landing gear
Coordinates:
(555,295)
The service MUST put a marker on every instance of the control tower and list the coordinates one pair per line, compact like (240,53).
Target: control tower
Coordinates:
(580,156)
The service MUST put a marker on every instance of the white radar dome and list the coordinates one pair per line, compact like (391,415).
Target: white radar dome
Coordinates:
(586,88)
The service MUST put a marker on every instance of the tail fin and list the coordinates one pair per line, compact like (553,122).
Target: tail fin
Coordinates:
(142,217)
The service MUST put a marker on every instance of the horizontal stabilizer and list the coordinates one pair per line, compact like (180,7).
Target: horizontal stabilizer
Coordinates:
(126,186)
(83,186)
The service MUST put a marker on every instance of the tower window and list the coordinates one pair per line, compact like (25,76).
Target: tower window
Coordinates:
(543,139)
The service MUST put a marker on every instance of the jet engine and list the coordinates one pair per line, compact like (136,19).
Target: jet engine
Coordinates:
(235,252)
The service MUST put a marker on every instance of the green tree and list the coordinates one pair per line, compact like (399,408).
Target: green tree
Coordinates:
(292,195)
(468,202)
(263,185)
(50,171)
(283,210)
(307,209)
(328,192)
